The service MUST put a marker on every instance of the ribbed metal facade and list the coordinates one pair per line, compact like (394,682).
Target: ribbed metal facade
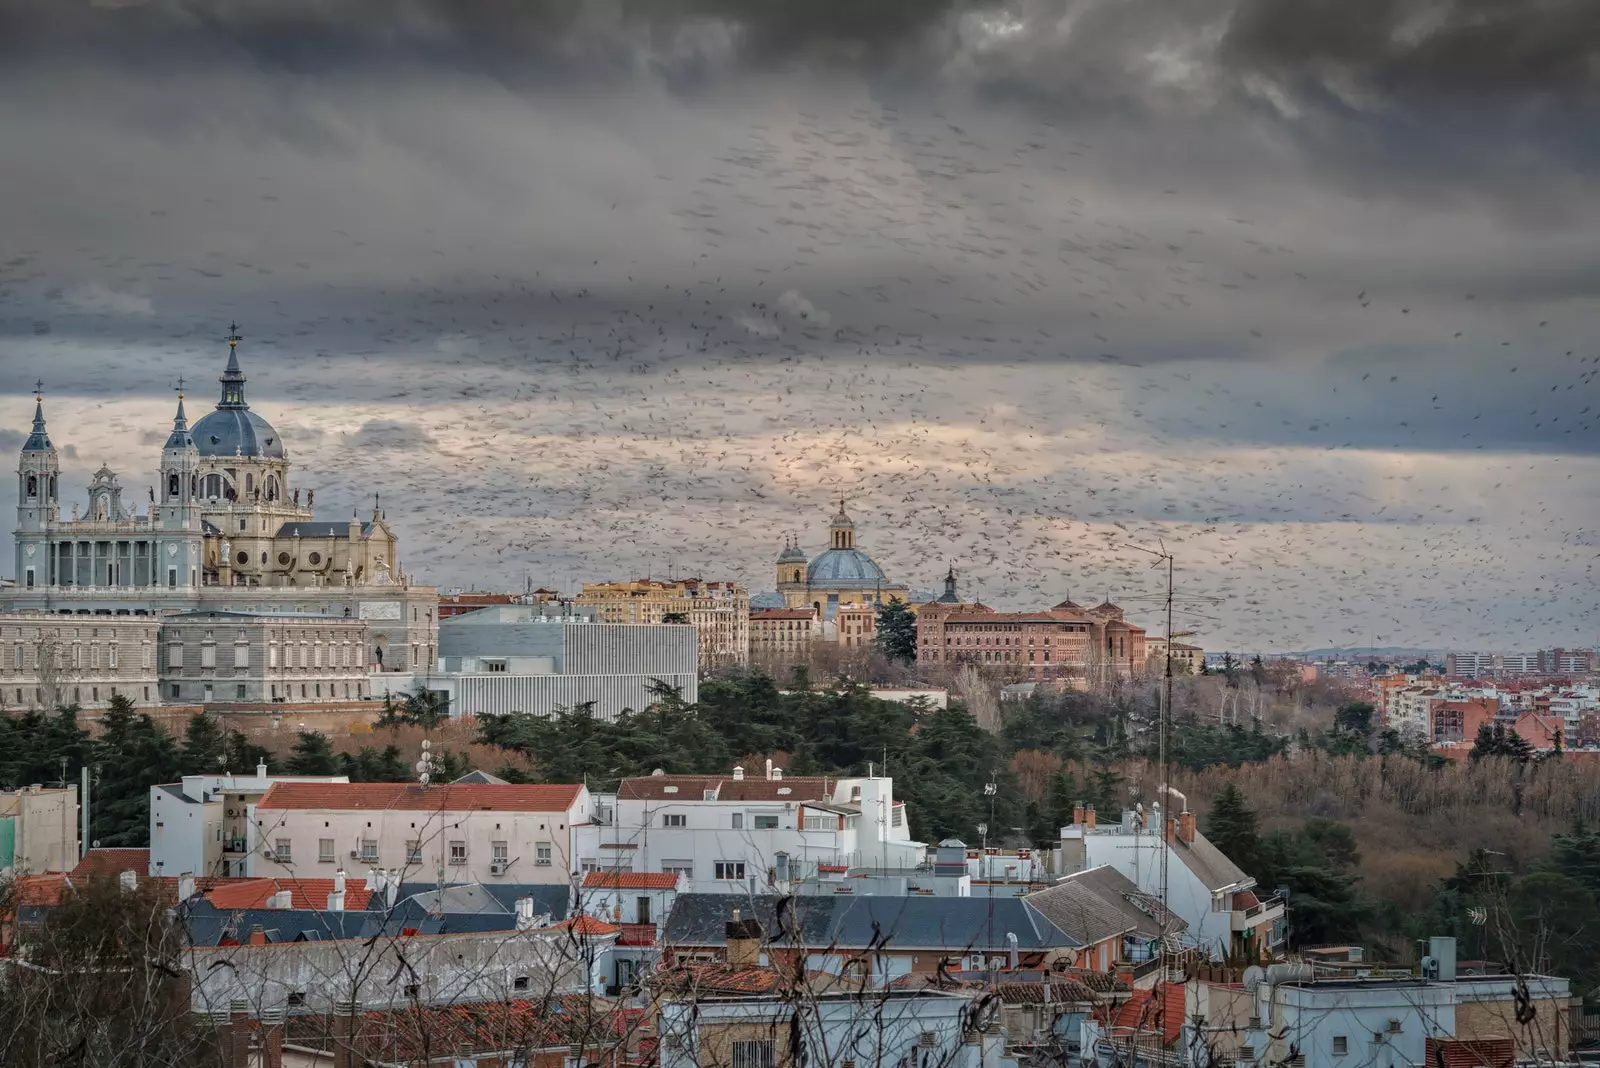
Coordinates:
(629,649)
(476,695)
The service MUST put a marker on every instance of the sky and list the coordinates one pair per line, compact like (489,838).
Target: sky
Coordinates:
(1301,291)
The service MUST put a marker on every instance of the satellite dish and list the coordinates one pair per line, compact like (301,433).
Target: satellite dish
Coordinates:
(426,745)
(422,765)
(1253,976)
(424,778)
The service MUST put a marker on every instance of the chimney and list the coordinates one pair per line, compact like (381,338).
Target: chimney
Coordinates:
(769,767)
(271,1046)
(347,1051)
(1077,813)
(1172,830)
(258,935)
(185,886)
(239,1034)
(744,942)
(1088,817)
(1186,827)
(391,888)
(738,773)
(128,880)
(777,774)
(524,913)
(261,770)
(280,900)
(338,881)
(336,901)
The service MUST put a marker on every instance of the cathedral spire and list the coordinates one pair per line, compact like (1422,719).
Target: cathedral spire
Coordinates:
(179,438)
(39,440)
(233,378)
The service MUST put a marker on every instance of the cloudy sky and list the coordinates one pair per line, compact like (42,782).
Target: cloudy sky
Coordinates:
(1302,290)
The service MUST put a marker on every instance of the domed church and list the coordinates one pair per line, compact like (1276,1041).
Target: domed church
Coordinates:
(841,575)
(223,528)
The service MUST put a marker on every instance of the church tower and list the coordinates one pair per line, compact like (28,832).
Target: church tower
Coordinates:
(38,477)
(791,566)
(38,502)
(842,531)
(178,510)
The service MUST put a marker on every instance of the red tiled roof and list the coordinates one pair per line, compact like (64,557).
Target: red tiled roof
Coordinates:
(637,934)
(654,787)
(586,925)
(472,1028)
(630,880)
(303,894)
(46,889)
(110,863)
(456,797)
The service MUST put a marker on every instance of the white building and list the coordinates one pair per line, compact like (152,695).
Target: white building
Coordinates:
(38,830)
(1207,890)
(884,1027)
(200,826)
(748,834)
(457,833)
(538,658)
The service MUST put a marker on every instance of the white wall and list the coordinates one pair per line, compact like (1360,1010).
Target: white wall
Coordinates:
(1139,857)
(522,832)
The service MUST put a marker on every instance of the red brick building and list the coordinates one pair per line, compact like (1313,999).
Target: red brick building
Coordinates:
(1066,641)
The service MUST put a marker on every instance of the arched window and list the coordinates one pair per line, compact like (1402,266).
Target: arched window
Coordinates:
(172,485)
(52,487)
(33,485)
(249,482)
(272,488)
(213,486)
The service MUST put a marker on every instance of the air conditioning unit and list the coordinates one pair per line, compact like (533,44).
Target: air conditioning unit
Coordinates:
(1394,1027)
(355,854)
(497,869)
(267,853)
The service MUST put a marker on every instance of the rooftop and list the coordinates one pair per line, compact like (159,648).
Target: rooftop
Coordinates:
(455,797)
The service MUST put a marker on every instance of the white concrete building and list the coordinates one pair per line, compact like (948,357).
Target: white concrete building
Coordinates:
(38,830)
(200,825)
(1212,895)
(739,833)
(456,833)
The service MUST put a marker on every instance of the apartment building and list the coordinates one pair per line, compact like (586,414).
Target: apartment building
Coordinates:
(719,611)
(200,825)
(782,632)
(1207,890)
(1186,659)
(38,829)
(462,832)
(742,834)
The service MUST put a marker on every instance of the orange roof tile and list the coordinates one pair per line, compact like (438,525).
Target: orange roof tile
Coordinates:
(585,925)
(630,880)
(109,863)
(303,894)
(456,797)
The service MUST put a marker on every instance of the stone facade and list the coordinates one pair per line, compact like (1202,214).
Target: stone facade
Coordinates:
(215,657)
(1067,641)
(224,529)
(48,660)
(719,611)
(782,631)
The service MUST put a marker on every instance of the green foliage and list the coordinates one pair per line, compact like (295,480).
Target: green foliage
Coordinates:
(33,743)
(1231,826)
(675,617)
(1195,745)
(896,635)
(131,755)
(312,755)
(369,765)
(204,746)
(422,707)
(1497,740)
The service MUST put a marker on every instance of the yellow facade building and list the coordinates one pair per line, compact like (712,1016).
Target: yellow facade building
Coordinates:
(719,611)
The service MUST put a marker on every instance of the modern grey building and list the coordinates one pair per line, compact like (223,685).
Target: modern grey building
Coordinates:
(538,658)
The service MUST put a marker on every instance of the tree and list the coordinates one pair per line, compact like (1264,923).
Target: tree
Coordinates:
(1231,827)
(312,755)
(204,746)
(422,707)
(1258,670)
(896,635)
(1497,740)
(1230,670)
(1355,717)
(675,617)
(132,755)
(241,756)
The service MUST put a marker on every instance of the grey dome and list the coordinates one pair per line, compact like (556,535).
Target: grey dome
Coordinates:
(845,568)
(236,432)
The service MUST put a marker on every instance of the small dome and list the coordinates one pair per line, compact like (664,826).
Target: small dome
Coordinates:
(848,568)
(236,432)
(791,554)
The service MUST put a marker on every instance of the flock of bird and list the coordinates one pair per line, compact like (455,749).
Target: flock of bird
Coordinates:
(1003,360)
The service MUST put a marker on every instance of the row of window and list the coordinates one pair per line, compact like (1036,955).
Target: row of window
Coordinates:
(77,694)
(74,655)
(346,655)
(367,852)
(207,691)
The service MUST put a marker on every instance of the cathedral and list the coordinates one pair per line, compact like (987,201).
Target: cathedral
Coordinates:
(223,528)
(840,577)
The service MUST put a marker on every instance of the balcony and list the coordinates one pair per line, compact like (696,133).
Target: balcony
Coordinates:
(1262,912)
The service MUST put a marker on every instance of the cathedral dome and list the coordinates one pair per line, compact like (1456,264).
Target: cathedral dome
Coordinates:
(236,432)
(845,569)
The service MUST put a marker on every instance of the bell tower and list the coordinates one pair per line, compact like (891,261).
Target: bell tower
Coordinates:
(38,475)
(842,531)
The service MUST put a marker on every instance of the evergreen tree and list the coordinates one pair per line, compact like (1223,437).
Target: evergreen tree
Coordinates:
(241,756)
(312,755)
(204,746)
(896,636)
(1231,827)
(1497,740)
(1258,670)
(132,754)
